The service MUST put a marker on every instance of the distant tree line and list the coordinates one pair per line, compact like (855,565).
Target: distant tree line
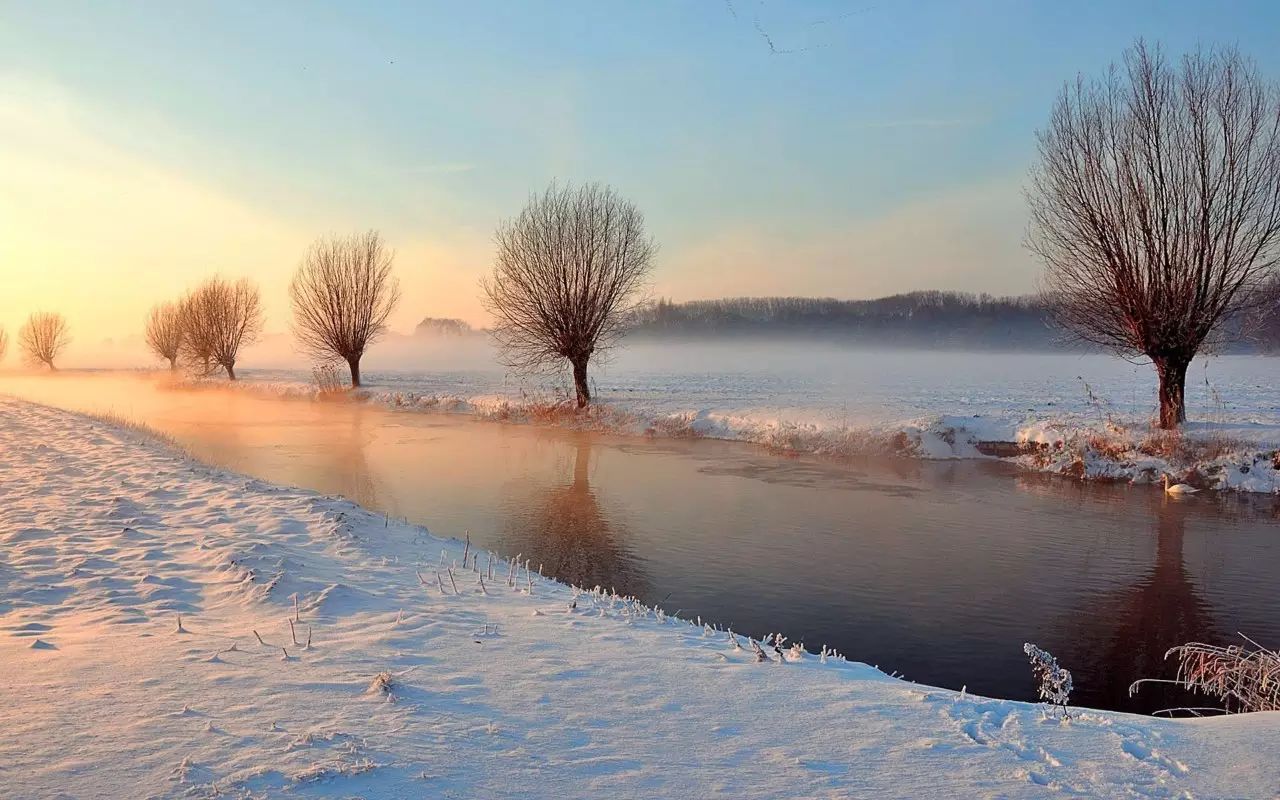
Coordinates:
(929,319)
(442,326)
(917,319)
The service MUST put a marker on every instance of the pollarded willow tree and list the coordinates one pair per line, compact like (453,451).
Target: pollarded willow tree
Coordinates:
(164,332)
(194,350)
(218,318)
(343,293)
(568,273)
(43,337)
(1156,206)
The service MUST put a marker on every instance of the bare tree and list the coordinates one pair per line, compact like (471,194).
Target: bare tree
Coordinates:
(1156,206)
(567,274)
(4,343)
(342,294)
(195,350)
(218,318)
(43,337)
(164,332)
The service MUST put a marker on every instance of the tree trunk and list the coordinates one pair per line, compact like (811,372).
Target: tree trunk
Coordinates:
(173,364)
(1173,383)
(580,382)
(231,371)
(354,363)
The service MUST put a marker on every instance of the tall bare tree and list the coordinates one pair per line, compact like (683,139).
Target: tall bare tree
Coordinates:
(42,337)
(342,294)
(1156,205)
(568,271)
(218,318)
(164,332)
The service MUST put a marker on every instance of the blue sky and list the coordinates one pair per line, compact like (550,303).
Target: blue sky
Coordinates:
(876,147)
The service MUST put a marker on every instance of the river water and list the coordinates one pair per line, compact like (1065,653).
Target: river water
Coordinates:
(939,571)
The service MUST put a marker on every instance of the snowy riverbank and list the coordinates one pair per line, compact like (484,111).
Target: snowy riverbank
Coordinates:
(1060,425)
(530,690)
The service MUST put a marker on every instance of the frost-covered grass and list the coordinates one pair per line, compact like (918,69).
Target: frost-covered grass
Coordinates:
(171,630)
(140,429)
(1243,677)
(1204,455)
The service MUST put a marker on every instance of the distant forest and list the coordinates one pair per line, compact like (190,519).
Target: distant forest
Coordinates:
(927,319)
(932,319)
(438,326)
(936,320)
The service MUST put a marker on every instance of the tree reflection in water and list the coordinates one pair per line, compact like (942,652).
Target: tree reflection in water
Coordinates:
(564,528)
(346,461)
(1125,633)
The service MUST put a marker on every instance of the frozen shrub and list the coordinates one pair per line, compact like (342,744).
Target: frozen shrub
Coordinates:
(1055,682)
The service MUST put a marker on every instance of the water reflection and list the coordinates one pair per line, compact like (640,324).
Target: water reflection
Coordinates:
(346,458)
(563,527)
(1126,631)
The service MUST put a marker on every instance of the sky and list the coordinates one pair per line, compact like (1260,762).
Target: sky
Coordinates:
(801,148)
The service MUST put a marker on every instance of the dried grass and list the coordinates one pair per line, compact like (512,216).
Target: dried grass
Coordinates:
(1109,446)
(139,428)
(328,381)
(1174,447)
(1243,677)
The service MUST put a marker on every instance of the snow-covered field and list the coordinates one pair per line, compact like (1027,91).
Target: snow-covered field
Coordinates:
(147,651)
(755,385)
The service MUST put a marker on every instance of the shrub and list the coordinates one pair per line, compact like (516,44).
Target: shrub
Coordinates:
(1055,682)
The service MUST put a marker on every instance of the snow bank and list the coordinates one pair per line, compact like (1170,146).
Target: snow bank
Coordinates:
(170,630)
(1220,457)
